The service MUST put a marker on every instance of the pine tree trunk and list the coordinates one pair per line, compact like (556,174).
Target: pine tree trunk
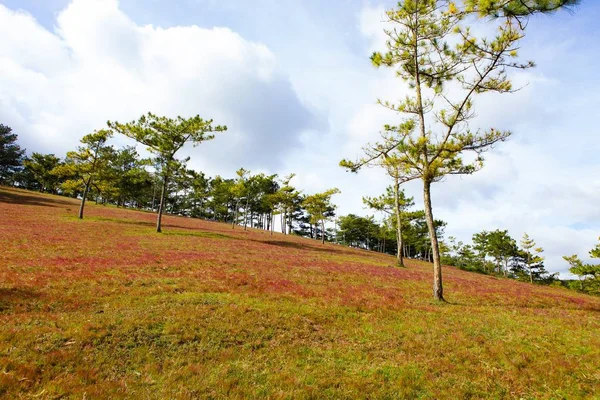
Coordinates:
(235,214)
(530,269)
(162,203)
(154,196)
(438,291)
(85,193)
(322,231)
(398,223)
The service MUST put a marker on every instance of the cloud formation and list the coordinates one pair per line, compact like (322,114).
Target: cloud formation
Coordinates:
(98,65)
(544,180)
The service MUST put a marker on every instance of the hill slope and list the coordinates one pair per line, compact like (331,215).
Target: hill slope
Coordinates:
(106,307)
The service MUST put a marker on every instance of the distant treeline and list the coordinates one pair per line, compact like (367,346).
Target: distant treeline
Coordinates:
(124,179)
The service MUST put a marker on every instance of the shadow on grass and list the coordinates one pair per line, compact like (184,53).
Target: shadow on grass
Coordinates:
(10,197)
(189,231)
(12,296)
(203,234)
(561,306)
(121,221)
(298,246)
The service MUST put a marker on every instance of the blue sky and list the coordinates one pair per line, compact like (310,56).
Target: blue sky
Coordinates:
(293,82)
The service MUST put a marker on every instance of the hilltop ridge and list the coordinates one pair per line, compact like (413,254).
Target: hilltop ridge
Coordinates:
(107,307)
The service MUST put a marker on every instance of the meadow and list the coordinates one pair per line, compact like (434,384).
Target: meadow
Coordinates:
(105,307)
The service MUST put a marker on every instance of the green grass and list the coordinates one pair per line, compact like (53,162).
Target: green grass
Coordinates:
(106,308)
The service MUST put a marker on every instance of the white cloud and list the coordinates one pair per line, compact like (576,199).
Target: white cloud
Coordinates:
(371,22)
(543,181)
(523,190)
(100,65)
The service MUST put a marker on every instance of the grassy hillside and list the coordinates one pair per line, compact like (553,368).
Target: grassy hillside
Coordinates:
(106,307)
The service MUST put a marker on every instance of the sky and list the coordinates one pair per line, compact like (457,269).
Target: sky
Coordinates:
(293,82)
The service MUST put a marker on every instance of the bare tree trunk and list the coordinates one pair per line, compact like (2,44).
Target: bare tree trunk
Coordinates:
(154,196)
(85,193)
(235,215)
(162,203)
(272,224)
(529,266)
(246,215)
(322,231)
(438,291)
(398,222)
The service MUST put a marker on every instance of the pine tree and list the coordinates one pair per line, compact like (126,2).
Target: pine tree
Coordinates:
(517,9)
(38,172)
(497,245)
(588,274)
(533,255)
(83,165)
(430,142)
(164,137)
(320,208)
(11,154)
(394,202)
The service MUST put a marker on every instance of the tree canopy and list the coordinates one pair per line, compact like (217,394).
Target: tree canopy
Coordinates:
(588,274)
(11,154)
(82,167)
(164,137)
(319,207)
